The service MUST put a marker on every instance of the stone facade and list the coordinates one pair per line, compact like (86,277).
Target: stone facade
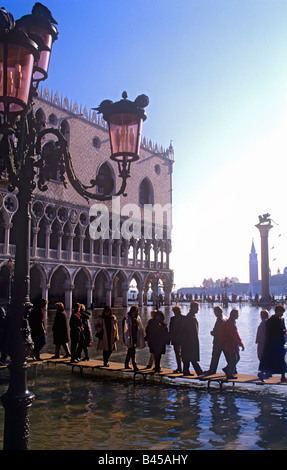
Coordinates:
(67,263)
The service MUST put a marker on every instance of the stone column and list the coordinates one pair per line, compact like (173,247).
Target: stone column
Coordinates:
(265,280)
(101,251)
(59,246)
(125,288)
(47,244)
(155,248)
(68,298)
(35,237)
(140,296)
(142,242)
(45,295)
(109,293)
(110,254)
(91,250)
(81,249)
(89,295)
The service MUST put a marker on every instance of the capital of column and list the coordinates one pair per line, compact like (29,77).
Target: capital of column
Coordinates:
(264,228)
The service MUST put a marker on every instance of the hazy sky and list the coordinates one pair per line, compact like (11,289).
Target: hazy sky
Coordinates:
(216,73)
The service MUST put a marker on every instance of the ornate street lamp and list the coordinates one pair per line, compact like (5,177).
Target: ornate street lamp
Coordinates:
(25,48)
(17,55)
(40,26)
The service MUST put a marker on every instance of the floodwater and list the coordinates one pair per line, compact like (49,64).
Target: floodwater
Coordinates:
(98,411)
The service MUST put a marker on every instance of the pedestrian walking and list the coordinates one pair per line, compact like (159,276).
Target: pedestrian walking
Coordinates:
(231,343)
(60,328)
(217,346)
(86,336)
(37,326)
(175,332)
(151,356)
(260,334)
(273,355)
(157,337)
(190,341)
(133,335)
(107,333)
(76,331)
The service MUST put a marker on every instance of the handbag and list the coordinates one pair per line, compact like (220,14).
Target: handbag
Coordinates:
(100,334)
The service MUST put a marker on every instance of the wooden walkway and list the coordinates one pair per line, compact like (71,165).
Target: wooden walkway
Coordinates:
(144,373)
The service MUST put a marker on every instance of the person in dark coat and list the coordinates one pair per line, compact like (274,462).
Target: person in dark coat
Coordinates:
(190,341)
(86,337)
(76,331)
(60,328)
(37,326)
(175,327)
(260,334)
(157,337)
(273,355)
(231,341)
(133,335)
(217,347)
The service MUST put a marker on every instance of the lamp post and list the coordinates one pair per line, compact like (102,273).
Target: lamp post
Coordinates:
(25,48)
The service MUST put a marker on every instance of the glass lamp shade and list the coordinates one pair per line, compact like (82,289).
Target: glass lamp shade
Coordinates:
(125,135)
(48,33)
(17,55)
(125,120)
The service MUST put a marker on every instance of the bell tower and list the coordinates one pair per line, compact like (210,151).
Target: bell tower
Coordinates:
(253,264)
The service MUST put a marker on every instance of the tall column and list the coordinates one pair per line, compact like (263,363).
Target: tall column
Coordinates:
(68,297)
(45,295)
(35,237)
(47,244)
(125,288)
(59,246)
(264,228)
(89,295)
(140,296)
(110,254)
(109,293)
(91,250)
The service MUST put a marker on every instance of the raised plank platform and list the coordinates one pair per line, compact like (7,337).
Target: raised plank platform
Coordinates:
(218,378)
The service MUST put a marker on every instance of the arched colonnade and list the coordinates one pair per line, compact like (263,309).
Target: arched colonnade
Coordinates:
(95,288)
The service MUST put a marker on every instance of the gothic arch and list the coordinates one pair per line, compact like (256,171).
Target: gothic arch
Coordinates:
(106,178)
(38,279)
(65,130)
(119,289)
(86,273)
(101,285)
(138,278)
(81,281)
(54,237)
(60,281)
(40,119)
(146,192)
(62,268)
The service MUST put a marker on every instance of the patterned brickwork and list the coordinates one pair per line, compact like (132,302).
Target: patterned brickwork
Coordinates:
(86,158)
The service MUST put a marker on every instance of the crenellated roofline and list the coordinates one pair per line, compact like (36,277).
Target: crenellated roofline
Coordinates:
(92,117)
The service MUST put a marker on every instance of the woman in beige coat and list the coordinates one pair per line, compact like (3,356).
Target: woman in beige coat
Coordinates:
(107,333)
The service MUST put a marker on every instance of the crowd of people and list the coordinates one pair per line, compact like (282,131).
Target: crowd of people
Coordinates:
(75,336)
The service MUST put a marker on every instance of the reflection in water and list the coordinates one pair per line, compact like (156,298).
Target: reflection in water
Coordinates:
(98,412)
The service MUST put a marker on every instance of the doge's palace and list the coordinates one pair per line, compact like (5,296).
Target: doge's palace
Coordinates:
(88,251)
